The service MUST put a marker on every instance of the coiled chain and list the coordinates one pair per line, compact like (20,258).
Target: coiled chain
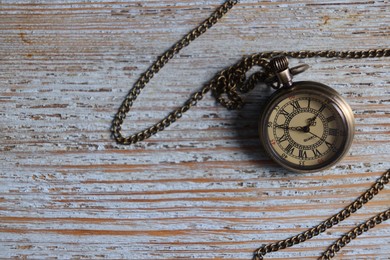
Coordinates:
(225,87)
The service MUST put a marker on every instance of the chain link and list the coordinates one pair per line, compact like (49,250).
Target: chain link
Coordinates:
(226,87)
(334,220)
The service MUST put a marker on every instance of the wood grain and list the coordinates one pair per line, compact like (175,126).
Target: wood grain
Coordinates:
(204,188)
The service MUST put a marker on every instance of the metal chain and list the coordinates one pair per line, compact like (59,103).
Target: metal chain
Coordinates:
(353,233)
(334,220)
(154,69)
(225,87)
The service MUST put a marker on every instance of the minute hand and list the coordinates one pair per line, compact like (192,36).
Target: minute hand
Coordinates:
(311,121)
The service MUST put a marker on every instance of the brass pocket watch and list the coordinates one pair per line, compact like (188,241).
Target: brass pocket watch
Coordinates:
(306,126)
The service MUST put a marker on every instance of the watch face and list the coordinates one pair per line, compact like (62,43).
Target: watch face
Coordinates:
(307,128)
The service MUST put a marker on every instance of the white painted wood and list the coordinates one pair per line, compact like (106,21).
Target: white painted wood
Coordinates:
(204,188)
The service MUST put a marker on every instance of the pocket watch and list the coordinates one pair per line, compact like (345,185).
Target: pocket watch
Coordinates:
(306,126)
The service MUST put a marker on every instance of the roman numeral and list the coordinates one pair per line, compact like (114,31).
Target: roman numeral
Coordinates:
(302,154)
(284,112)
(316,153)
(330,119)
(289,149)
(322,108)
(282,138)
(333,132)
(295,105)
(328,144)
(331,146)
(281,126)
(308,103)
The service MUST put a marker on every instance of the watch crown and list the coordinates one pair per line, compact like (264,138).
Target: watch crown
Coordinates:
(279,64)
(281,74)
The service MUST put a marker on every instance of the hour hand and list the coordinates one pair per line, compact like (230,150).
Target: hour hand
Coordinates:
(292,128)
(298,128)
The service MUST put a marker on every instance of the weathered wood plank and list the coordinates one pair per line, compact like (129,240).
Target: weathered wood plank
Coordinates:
(204,188)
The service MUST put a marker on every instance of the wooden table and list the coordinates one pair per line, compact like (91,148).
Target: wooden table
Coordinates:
(204,188)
